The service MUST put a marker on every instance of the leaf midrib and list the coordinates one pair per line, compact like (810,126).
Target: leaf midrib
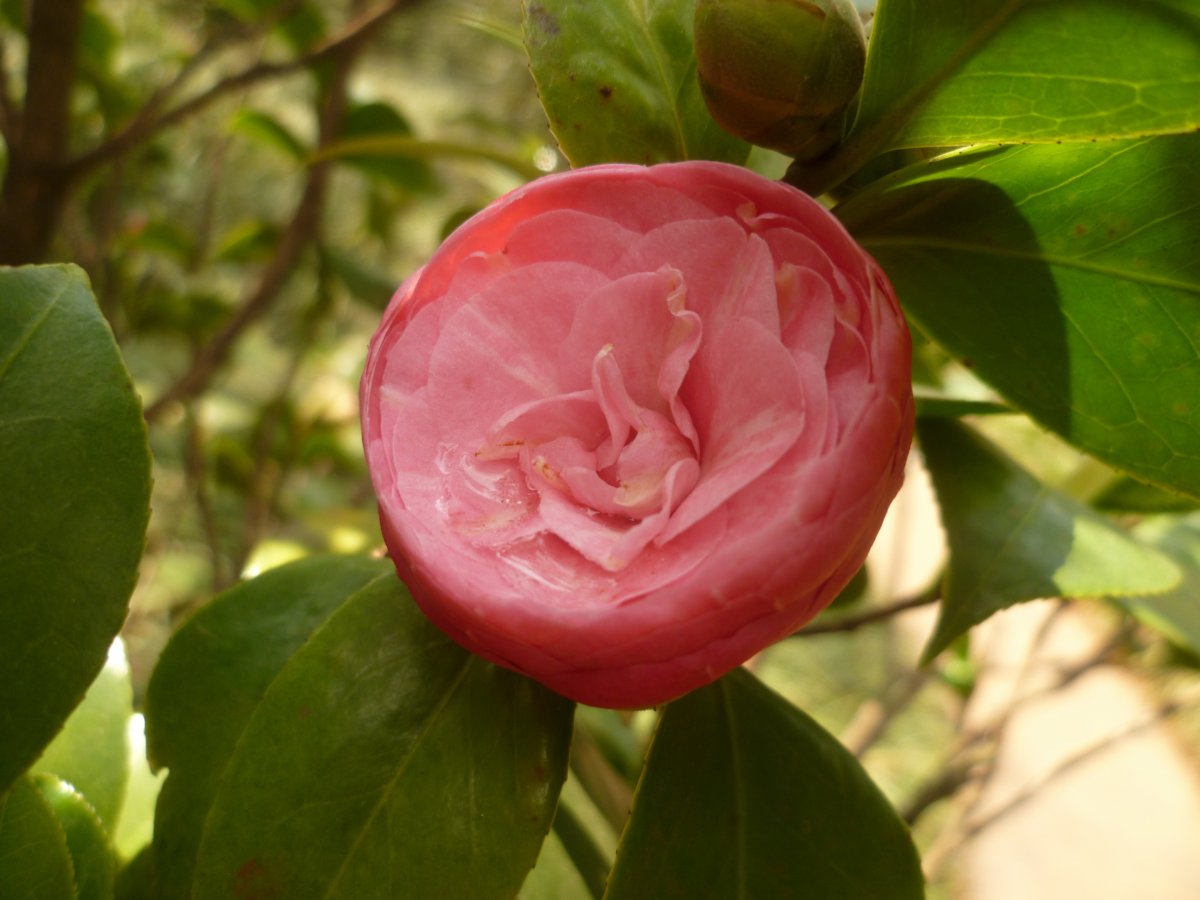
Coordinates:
(385,794)
(640,11)
(1049,259)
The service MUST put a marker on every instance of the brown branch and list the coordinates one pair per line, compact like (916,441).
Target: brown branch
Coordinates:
(34,191)
(143,127)
(878,614)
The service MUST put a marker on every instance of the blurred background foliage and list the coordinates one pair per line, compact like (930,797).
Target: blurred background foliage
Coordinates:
(246,182)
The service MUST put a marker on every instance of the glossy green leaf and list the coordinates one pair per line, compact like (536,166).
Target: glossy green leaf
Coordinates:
(212,676)
(92,859)
(618,82)
(1067,277)
(1176,613)
(75,483)
(1013,538)
(743,795)
(91,753)
(384,760)
(945,72)
(34,861)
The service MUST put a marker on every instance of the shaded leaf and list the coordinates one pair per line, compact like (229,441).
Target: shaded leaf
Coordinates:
(92,859)
(365,283)
(743,795)
(385,755)
(75,478)
(212,676)
(248,242)
(91,753)
(137,881)
(379,120)
(1130,495)
(1069,279)
(403,147)
(268,131)
(34,862)
(944,72)
(1013,538)
(618,82)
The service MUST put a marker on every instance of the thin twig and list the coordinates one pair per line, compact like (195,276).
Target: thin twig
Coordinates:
(10,114)
(143,128)
(971,828)
(873,717)
(878,614)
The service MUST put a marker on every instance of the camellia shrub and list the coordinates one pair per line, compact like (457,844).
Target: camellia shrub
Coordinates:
(632,425)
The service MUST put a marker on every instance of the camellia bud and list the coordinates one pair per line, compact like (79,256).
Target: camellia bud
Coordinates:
(780,73)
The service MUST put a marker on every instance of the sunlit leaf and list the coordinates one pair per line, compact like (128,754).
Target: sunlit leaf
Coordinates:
(75,483)
(1176,613)
(212,676)
(91,753)
(744,795)
(618,82)
(135,825)
(93,862)
(945,72)
(1067,277)
(1013,538)
(34,861)
(383,755)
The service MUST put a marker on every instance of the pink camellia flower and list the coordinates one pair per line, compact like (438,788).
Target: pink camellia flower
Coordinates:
(631,425)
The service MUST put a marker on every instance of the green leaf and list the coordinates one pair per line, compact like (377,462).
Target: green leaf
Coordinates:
(1068,278)
(1130,495)
(934,404)
(618,82)
(1176,613)
(34,861)
(135,825)
(91,753)
(364,282)
(137,880)
(399,148)
(410,171)
(268,131)
(743,795)
(945,72)
(75,478)
(383,755)
(92,859)
(1013,538)
(212,676)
